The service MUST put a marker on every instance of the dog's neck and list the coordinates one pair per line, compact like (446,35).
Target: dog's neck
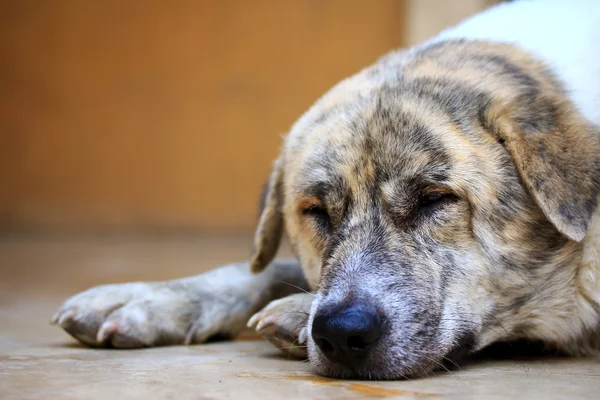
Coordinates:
(589,273)
(576,319)
(588,291)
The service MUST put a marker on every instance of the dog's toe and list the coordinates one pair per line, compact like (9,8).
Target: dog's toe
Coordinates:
(113,333)
(83,326)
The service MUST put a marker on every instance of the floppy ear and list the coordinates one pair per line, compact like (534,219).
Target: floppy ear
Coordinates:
(270,224)
(557,154)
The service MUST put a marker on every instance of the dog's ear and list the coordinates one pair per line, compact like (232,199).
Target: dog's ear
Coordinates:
(557,154)
(270,224)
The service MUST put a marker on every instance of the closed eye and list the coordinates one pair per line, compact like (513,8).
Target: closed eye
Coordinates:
(436,197)
(319,215)
(315,211)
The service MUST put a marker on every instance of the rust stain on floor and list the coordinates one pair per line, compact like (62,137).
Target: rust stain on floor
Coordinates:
(376,391)
(317,380)
(363,389)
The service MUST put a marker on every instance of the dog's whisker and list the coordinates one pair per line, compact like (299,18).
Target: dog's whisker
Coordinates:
(529,283)
(457,365)
(433,360)
(297,287)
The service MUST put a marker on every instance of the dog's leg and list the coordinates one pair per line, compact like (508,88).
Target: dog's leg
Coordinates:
(283,323)
(183,311)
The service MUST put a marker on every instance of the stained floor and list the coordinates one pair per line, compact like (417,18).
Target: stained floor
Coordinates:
(38,361)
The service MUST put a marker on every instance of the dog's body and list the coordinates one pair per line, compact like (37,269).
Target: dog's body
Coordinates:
(443,199)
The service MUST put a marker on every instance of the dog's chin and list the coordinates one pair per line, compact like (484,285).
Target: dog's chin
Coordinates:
(394,363)
(391,366)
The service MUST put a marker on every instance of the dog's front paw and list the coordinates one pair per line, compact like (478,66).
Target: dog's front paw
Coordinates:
(136,315)
(284,323)
(103,316)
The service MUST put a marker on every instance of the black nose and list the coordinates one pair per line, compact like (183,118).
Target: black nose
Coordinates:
(346,335)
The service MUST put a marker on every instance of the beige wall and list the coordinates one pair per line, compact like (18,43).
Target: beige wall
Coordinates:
(164,114)
(426,18)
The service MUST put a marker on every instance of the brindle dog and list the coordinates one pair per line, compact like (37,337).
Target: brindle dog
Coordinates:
(441,200)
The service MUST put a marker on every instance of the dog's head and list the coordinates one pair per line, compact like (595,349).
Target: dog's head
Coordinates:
(437,202)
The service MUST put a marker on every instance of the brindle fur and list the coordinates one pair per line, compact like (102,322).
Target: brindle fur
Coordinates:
(509,252)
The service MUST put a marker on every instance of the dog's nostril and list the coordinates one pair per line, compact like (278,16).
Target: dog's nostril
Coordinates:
(325,346)
(356,343)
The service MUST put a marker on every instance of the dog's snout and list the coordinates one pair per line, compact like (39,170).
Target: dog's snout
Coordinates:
(346,335)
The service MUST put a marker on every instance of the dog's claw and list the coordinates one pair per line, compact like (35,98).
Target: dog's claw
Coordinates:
(253,320)
(260,321)
(264,323)
(65,316)
(54,318)
(106,330)
(303,335)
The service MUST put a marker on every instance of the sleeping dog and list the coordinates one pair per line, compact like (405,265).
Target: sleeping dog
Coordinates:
(443,199)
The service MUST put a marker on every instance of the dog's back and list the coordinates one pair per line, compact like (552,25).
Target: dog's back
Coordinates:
(565,34)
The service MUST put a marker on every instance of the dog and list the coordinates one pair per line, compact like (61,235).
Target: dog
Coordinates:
(441,200)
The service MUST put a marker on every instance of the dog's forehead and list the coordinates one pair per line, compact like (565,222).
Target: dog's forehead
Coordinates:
(370,137)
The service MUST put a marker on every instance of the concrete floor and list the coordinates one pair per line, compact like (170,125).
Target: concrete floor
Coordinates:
(38,361)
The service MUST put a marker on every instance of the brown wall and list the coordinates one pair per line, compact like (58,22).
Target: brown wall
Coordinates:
(146,114)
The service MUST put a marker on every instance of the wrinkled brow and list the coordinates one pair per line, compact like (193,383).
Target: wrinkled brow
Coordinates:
(328,191)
